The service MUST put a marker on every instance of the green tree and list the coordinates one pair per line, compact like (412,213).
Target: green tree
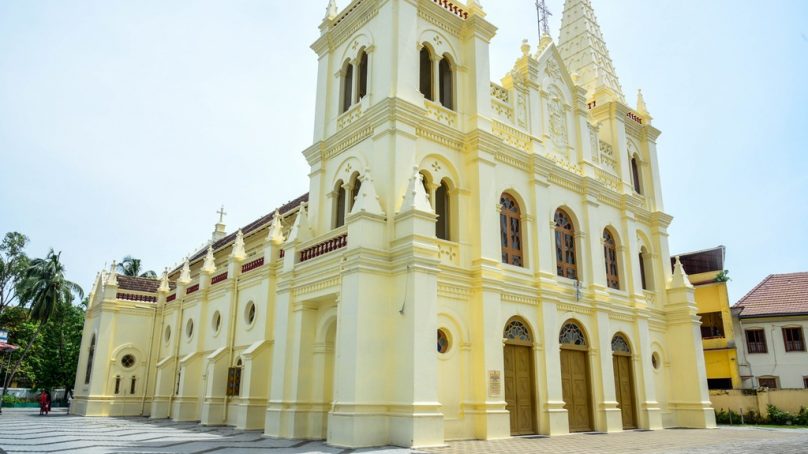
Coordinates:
(15,320)
(131,266)
(55,355)
(13,263)
(45,289)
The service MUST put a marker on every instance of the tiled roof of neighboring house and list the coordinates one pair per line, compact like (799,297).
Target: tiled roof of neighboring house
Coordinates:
(702,261)
(778,294)
(139,284)
(253,226)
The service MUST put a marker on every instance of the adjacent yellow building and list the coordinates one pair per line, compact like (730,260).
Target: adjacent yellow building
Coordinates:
(707,273)
(474,260)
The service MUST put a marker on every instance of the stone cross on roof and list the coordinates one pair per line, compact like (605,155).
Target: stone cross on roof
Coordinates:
(221,214)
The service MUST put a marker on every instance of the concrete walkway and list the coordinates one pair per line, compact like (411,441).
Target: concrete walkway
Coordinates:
(24,430)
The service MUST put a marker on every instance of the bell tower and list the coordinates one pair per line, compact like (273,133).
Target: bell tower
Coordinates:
(400,84)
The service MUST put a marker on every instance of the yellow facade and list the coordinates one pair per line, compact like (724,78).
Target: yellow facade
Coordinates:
(705,271)
(518,223)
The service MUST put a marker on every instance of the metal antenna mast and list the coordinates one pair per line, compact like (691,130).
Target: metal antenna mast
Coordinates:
(544,17)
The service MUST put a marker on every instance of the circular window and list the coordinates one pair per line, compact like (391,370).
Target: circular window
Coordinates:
(216,322)
(655,360)
(168,333)
(443,341)
(189,328)
(249,313)
(128,361)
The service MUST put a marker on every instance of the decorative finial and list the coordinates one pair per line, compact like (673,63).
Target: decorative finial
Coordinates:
(164,287)
(185,274)
(525,48)
(209,266)
(367,201)
(276,229)
(331,10)
(112,277)
(544,17)
(641,107)
(300,230)
(415,198)
(679,278)
(238,247)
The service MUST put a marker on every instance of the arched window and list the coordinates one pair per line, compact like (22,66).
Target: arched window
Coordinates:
(426,73)
(635,175)
(620,344)
(510,226)
(90,358)
(442,226)
(339,206)
(118,384)
(363,75)
(645,270)
(610,257)
(347,88)
(566,264)
(446,84)
(133,385)
(517,331)
(572,334)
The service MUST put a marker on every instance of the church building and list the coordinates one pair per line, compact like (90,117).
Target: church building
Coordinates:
(473,260)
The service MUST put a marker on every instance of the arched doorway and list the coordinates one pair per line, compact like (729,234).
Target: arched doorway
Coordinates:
(624,381)
(520,393)
(575,377)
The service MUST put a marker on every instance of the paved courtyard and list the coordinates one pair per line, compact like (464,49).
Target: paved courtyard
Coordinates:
(26,431)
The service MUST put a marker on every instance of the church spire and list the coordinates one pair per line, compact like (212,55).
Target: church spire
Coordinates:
(583,49)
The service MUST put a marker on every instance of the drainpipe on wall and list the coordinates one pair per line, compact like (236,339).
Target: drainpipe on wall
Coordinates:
(235,265)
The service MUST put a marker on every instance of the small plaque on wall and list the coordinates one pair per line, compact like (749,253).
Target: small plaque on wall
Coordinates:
(494,383)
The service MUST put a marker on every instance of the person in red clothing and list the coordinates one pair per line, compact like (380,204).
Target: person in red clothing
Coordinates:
(43,403)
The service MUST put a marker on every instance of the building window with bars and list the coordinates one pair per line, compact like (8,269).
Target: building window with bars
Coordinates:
(767,382)
(756,341)
(793,339)
(234,380)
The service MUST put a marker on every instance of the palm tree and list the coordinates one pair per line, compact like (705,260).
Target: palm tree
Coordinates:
(131,266)
(44,287)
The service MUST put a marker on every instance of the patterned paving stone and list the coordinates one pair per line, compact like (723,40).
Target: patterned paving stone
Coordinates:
(23,431)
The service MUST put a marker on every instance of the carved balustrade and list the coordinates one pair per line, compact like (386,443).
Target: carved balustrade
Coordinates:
(136,297)
(324,248)
(257,263)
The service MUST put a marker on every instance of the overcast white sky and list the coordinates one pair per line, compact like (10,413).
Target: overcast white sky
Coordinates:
(124,125)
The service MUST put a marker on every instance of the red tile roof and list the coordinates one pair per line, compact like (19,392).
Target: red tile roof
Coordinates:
(778,294)
(138,284)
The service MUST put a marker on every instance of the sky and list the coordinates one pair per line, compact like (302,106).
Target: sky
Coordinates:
(125,125)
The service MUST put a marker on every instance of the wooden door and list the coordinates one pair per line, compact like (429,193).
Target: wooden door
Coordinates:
(519,394)
(575,389)
(624,387)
